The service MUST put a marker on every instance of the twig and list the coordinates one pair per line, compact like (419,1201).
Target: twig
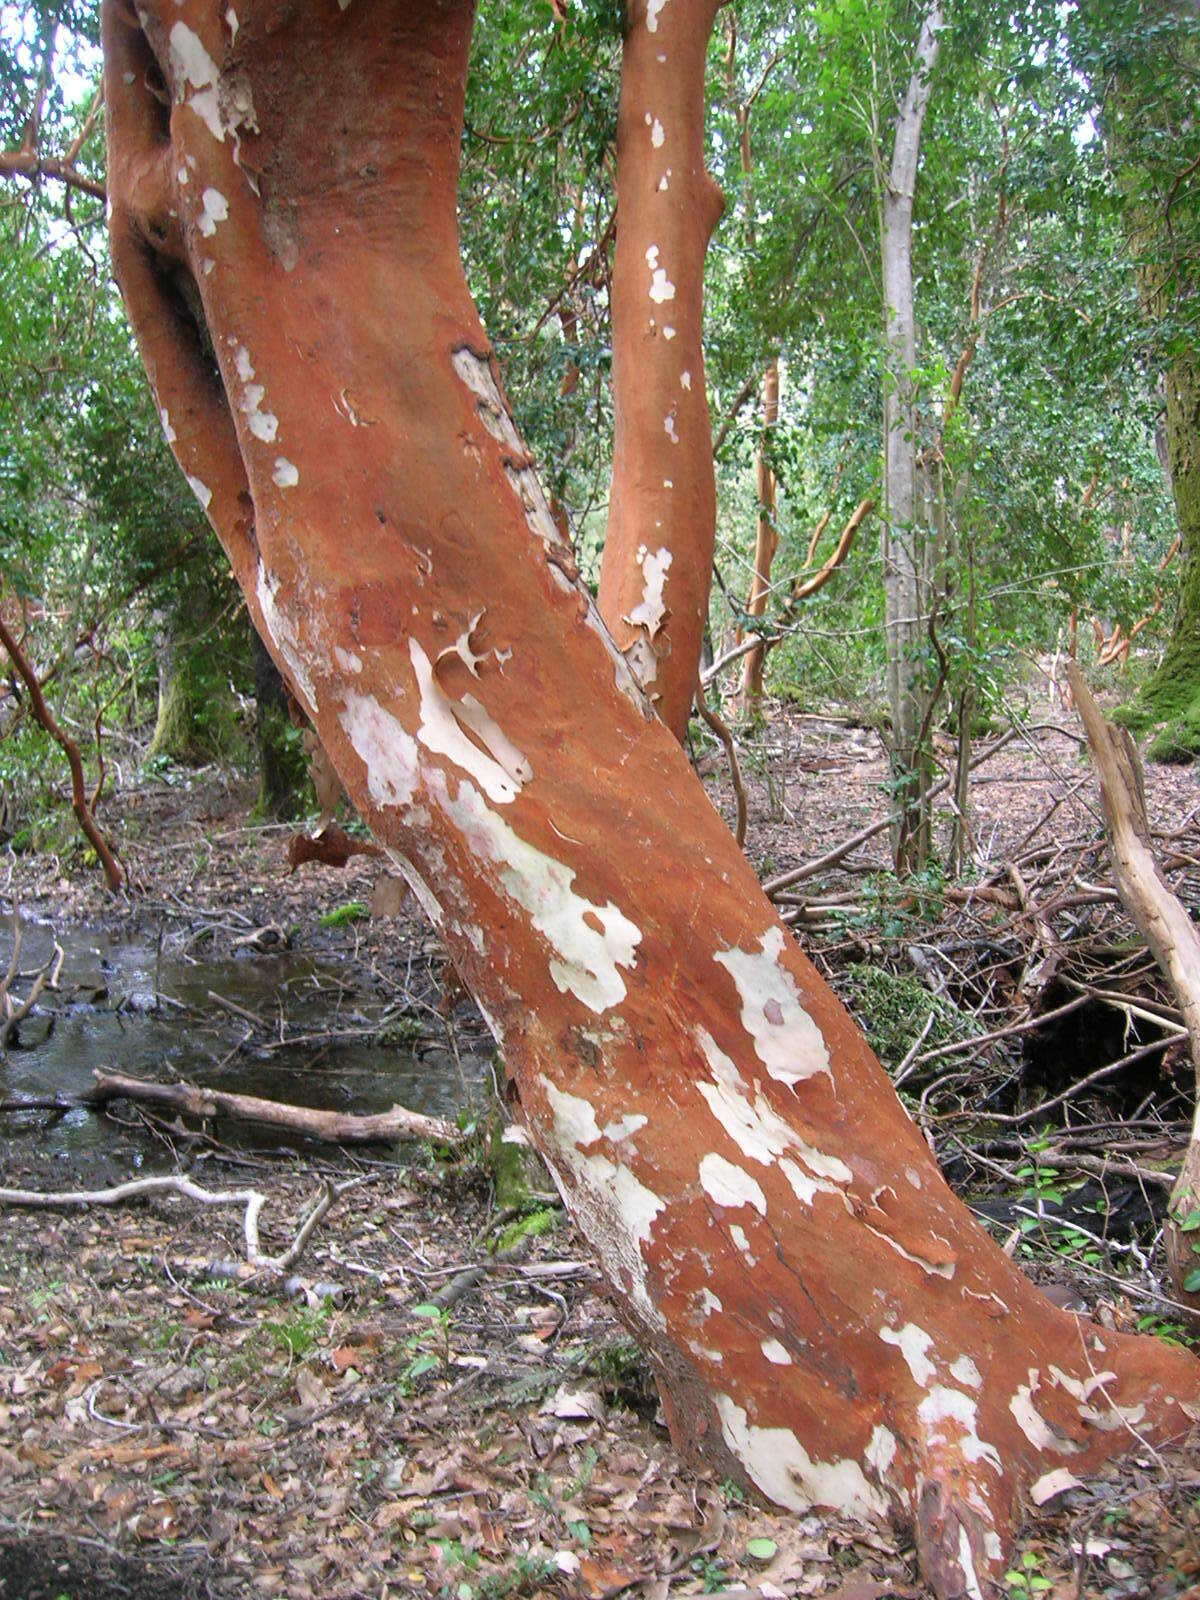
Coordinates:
(720,727)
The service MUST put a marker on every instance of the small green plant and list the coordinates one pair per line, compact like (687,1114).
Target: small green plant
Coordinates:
(428,1350)
(532,1226)
(297,1335)
(1190,1223)
(1027,1578)
(342,916)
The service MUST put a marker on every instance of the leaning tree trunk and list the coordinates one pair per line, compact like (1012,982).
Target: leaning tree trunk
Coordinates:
(658,550)
(826,1319)
(906,560)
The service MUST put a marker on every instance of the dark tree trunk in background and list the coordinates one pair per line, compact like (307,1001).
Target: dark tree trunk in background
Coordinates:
(283,786)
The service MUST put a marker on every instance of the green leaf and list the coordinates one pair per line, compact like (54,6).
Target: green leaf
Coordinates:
(433,1313)
(1190,1223)
(1191,1284)
(761,1549)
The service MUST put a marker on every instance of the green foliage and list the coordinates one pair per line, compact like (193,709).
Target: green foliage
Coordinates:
(342,916)
(895,1009)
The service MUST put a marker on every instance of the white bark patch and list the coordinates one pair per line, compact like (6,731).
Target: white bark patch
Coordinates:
(386,749)
(216,209)
(779,1465)
(651,609)
(965,1371)
(263,425)
(760,1132)
(786,1039)
(464,732)
(194,68)
(775,1353)
(164,416)
(943,1404)
(738,1235)
(661,287)
(347,660)
(624,1127)
(231,19)
(1040,1433)
(913,1343)
(669,333)
(669,427)
(283,632)
(658,134)
(591,942)
(201,490)
(729,1185)
(685,380)
(664,183)
(1107,1417)
(653,7)
(707,1302)
(881,1451)
(966,1562)
(286,474)
(620,1201)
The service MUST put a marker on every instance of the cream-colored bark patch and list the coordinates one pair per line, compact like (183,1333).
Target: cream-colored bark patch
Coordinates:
(591,942)
(779,1465)
(730,1185)
(464,732)
(786,1039)
(387,750)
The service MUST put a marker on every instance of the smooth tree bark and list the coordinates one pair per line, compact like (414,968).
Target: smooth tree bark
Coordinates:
(657,565)
(827,1321)
(905,557)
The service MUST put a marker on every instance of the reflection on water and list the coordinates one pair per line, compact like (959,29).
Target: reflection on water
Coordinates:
(130,1003)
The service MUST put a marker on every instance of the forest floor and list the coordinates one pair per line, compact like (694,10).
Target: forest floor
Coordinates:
(405,1412)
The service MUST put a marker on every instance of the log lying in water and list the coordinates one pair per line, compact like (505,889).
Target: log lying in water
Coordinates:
(335,1127)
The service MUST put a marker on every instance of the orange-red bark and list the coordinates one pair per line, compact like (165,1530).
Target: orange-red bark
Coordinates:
(827,1319)
(658,551)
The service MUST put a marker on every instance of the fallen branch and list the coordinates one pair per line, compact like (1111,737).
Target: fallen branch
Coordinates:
(335,1127)
(1172,937)
(252,1199)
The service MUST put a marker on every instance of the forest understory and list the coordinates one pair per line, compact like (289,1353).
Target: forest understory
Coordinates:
(436,1398)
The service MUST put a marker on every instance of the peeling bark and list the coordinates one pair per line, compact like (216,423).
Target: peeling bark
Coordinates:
(827,1321)
(657,565)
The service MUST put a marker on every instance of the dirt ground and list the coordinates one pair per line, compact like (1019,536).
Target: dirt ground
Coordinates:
(405,1413)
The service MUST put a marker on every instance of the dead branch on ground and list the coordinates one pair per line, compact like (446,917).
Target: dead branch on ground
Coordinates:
(334,1127)
(252,1200)
(13,1011)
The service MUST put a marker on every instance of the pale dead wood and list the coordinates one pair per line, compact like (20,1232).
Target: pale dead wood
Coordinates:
(1166,927)
(253,1200)
(13,1012)
(335,1127)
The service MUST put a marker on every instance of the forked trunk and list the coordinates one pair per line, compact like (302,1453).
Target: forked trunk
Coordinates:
(827,1320)
(658,550)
